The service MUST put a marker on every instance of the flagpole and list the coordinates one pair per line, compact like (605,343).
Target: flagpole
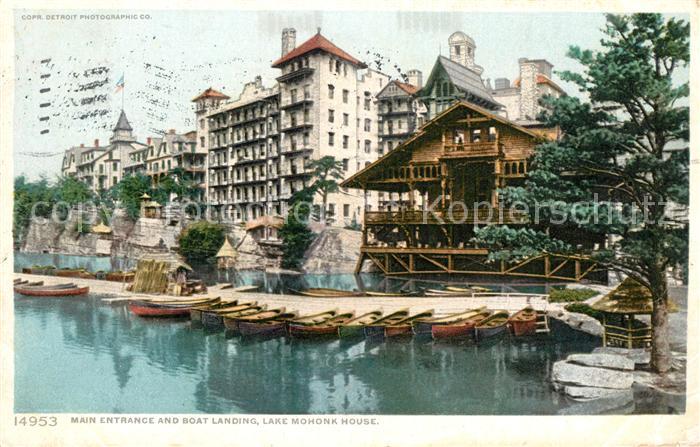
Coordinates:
(122,92)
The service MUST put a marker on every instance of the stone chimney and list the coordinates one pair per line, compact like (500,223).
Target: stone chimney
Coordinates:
(289,40)
(171,131)
(258,81)
(528,89)
(415,77)
(97,142)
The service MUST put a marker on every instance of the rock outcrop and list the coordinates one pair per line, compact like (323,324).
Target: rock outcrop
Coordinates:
(335,250)
(578,321)
(602,360)
(567,373)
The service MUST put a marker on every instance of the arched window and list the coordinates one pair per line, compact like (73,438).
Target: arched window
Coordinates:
(507,168)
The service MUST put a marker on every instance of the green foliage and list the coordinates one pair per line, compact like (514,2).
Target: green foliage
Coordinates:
(180,183)
(129,191)
(71,190)
(82,226)
(326,172)
(201,240)
(295,232)
(571,295)
(583,308)
(37,195)
(614,159)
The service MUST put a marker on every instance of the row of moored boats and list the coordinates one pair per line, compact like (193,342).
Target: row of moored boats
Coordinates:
(249,318)
(337,293)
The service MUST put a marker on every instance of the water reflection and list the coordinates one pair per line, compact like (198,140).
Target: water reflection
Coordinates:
(81,355)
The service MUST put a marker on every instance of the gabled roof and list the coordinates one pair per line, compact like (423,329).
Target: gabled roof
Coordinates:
(406,87)
(463,78)
(362,176)
(409,89)
(123,123)
(210,93)
(318,42)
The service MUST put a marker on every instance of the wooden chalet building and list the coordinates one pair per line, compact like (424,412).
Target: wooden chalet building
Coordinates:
(452,163)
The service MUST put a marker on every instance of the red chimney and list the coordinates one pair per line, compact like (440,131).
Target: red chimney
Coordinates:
(82,145)
(97,142)
(148,141)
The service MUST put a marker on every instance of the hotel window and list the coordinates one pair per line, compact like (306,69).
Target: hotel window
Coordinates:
(331,138)
(331,115)
(346,139)
(307,92)
(346,93)
(367,103)
(306,116)
(331,91)
(368,125)
(114,166)
(293,95)
(346,119)
(331,209)
(346,163)
(330,64)
(306,139)
(201,124)
(292,119)
(368,146)
(346,210)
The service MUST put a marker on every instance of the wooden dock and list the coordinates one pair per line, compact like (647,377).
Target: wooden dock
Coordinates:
(116,293)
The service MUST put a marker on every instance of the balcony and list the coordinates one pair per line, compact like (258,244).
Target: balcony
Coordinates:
(301,72)
(306,102)
(468,150)
(293,127)
(443,216)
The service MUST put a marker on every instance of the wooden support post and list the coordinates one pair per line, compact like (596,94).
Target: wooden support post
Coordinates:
(605,330)
(629,331)
(577,273)
(547,266)
(411,263)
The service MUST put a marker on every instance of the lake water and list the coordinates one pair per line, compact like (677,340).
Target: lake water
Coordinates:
(81,355)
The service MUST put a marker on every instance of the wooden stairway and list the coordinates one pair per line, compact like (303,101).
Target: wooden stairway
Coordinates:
(542,322)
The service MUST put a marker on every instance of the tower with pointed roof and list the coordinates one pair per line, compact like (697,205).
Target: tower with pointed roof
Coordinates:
(122,132)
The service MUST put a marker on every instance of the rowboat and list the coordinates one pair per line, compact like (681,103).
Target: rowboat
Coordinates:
(445,292)
(493,325)
(120,276)
(403,327)
(355,327)
(459,289)
(74,273)
(262,326)
(377,327)
(57,290)
(232,322)
(229,306)
(326,293)
(425,327)
(390,294)
(248,288)
(214,319)
(315,318)
(150,308)
(524,322)
(327,328)
(462,328)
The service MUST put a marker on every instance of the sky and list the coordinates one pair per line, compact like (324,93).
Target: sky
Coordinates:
(168,57)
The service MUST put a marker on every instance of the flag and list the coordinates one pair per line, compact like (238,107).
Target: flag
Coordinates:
(120,85)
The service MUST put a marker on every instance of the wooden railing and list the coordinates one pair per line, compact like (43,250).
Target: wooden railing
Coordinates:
(458,215)
(486,149)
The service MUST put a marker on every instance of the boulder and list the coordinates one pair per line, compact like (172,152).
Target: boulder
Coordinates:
(619,403)
(571,374)
(610,361)
(584,393)
(638,356)
(334,250)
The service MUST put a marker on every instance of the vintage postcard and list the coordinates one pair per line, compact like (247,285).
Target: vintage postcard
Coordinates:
(378,223)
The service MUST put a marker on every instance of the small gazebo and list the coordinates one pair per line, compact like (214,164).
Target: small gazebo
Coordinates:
(150,208)
(227,255)
(619,308)
(101,228)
